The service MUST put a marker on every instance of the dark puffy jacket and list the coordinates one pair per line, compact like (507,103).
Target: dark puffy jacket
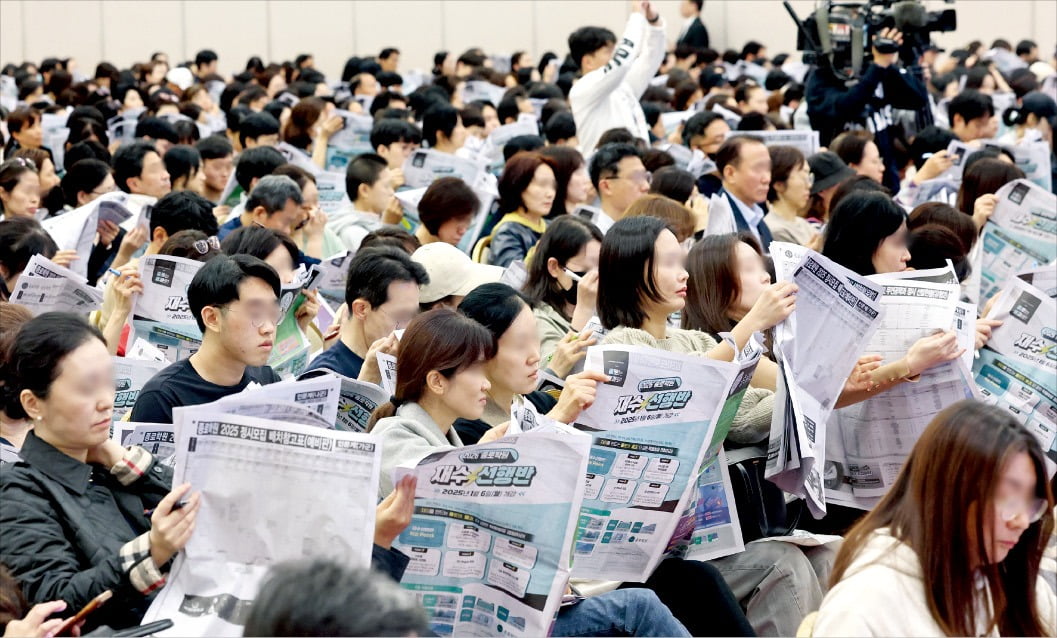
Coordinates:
(66,529)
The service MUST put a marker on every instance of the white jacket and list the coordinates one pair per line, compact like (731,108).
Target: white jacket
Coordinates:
(883,594)
(608,98)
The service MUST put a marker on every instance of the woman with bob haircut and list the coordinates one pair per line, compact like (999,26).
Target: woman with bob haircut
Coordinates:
(527,190)
(952,553)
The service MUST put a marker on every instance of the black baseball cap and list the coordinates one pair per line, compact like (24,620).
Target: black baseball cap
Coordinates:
(828,169)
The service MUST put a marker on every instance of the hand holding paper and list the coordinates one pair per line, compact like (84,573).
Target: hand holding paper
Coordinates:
(65,257)
(579,394)
(172,525)
(395,511)
(931,351)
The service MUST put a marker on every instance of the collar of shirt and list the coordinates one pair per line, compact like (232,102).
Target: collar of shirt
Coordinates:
(752,215)
(687,24)
(64,469)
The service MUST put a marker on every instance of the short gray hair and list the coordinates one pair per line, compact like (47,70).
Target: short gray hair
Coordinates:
(320,597)
(272,192)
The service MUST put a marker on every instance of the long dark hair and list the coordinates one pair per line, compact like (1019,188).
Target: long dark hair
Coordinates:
(625,271)
(564,238)
(441,340)
(985,177)
(857,226)
(566,162)
(941,515)
(714,283)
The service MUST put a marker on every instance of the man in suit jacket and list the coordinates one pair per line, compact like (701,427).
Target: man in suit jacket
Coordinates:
(745,164)
(694,32)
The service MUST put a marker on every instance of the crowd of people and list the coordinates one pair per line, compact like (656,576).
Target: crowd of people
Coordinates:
(607,208)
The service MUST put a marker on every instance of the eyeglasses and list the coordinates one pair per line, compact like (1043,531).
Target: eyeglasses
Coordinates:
(105,192)
(202,246)
(259,317)
(1033,509)
(637,176)
(399,322)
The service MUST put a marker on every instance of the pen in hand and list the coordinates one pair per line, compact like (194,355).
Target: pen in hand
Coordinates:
(176,506)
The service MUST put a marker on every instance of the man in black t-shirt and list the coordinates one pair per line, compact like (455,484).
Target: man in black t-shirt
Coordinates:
(236,303)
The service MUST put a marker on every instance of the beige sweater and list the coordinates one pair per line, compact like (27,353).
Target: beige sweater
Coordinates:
(752,423)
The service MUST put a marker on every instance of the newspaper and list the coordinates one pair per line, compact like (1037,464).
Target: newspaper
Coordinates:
(1017,369)
(426,165)
(957,151)
(55,134)
(657,427)
(130,375)
(75,230)
(515,275)
(289,356)
(353,139)
(140,349)
(1032,157)
(334,273)
(160,314)
(357,400)
(297,157)
(869,441)
(122,127)
(1028,212)
(672,120)
(1042,277)
(492,531)
(157,438)
(332,196)
(387,367)
(1021,234)
(499,138)
(805,141)
(480,90)
(319,395)
(837,314)
(720,216)
(271,491)
(46,287)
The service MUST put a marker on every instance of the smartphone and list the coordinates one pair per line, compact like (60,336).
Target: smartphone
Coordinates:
(92,605)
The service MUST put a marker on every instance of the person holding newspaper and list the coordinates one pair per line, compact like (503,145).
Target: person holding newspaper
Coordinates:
(643,281)
(77,509)
(513,374)
(514,371)
(235,301)
(382,296)
(867,233)
(440,378)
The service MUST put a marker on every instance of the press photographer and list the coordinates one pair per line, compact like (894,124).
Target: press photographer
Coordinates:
(865,57)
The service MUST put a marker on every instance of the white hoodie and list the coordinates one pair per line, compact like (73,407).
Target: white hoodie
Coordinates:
(608,97)
(883,594)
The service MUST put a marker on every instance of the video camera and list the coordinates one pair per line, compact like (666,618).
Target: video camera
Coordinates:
(839,35)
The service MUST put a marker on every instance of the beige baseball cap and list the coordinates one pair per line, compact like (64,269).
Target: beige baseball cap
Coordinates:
(451,272)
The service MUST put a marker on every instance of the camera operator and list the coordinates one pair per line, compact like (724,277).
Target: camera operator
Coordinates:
(884,84)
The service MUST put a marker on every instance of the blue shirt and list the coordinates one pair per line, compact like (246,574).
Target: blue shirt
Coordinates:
(338,358)
(229,227)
